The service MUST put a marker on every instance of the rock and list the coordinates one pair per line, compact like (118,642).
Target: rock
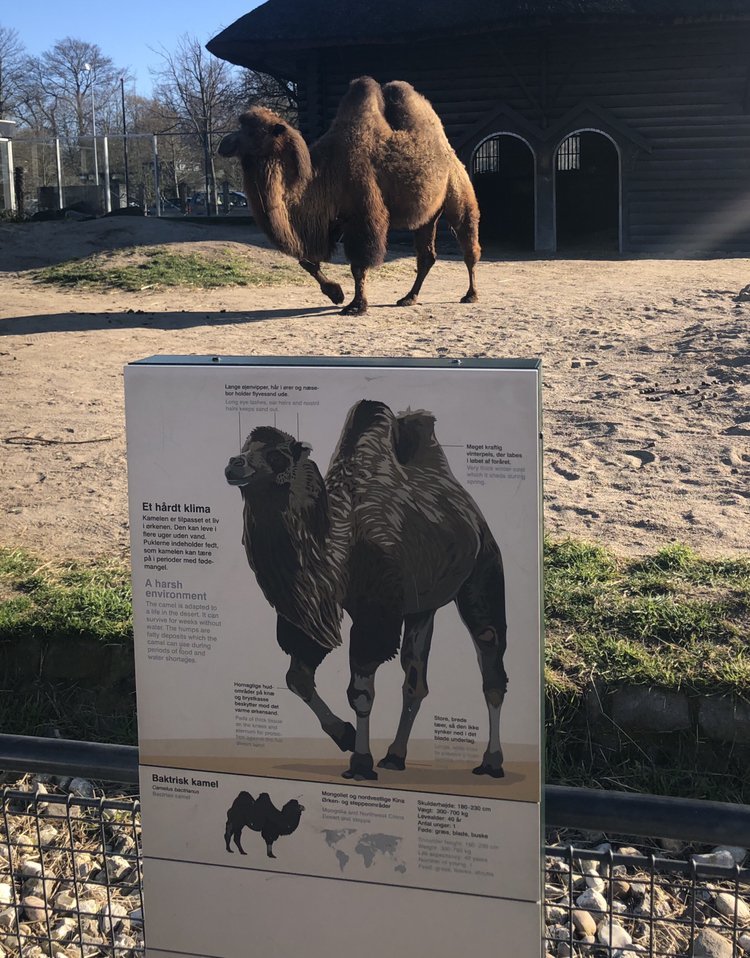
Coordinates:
(638,708)
(82,787)
(619,907)
(553,914)
(559,932)
(744,942)
(136,916)
(707,944)
(31,869)
(721,857)
(564,950)
(724,719)
(620,888)
(615,936)
(583,923)
(6,894)
(112,917)
(737,853)
(65,902)
(34,908)
(726,904)
(63,929)
(594,881)
(630,851)
(8,918)
(117,868)
(48,835)
(592,900)
(671,845)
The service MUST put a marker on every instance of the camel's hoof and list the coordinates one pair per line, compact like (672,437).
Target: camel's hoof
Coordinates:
(394,762)
(344,737)
(354,309)
(230,851)
(334,292)
(242,853)
(492,764)
(470,298)
(485,769)
(408,301)
(361,769)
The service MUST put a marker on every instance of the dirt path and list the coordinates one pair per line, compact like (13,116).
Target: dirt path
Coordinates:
(646,378)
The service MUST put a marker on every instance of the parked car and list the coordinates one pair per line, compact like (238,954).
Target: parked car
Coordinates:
(237,201)
(170,206)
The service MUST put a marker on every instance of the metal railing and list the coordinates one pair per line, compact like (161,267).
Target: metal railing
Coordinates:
(70,864)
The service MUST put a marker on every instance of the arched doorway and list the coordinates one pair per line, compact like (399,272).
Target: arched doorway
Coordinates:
(502,170)
(587,192)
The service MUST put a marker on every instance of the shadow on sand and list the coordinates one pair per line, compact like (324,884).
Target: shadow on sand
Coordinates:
(138,319)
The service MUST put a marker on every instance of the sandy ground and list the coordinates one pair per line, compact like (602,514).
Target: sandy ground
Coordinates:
(646,377)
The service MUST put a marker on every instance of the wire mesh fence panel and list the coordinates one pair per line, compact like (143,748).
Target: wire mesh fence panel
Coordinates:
(168,174)
(617,901)
(70,876)
(71,885)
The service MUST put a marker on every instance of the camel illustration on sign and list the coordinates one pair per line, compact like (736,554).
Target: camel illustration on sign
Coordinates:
(385,163)
(390,536)
(261,815)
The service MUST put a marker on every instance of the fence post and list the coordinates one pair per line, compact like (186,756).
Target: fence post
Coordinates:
(58,171)
(107,190)
(18,187)
(6,176)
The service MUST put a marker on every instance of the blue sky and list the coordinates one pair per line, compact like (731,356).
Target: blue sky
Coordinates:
(127,32)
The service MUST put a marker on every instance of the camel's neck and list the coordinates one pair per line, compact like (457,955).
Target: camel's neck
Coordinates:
(290,214)
(290,548)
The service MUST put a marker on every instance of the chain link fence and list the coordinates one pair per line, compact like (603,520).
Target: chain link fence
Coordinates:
(166,174)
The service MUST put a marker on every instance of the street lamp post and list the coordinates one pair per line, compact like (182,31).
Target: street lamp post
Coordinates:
(88,67)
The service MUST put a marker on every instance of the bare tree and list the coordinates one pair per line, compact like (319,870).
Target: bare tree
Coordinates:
(260,89)
(60,83)
(197,92)
(12,58)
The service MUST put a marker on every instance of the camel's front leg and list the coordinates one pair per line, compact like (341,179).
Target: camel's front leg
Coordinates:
(375,635)
(331,289)
(358,305)
(415,652)
(424,242)
(306,655)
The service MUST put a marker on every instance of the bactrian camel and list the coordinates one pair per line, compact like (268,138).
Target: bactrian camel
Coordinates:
(390,536)
(384,163)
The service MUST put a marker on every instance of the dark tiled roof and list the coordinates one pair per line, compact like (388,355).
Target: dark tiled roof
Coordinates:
(258,38)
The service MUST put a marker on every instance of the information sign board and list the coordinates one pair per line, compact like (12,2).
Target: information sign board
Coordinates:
(336,585)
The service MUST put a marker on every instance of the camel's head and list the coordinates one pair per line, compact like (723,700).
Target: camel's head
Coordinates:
(263,137)
(269,458)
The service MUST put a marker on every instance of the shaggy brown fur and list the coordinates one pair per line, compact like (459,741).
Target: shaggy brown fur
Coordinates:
(384,163)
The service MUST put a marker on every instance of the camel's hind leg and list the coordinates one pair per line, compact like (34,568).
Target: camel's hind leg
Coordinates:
(327,286)
(424,242)
(415,652)
(462,213)
(481,604)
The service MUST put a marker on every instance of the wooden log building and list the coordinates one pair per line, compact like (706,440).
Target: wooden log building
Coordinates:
(585,124)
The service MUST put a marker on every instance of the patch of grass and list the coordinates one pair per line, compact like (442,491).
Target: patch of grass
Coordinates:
(156,267)
(673,619)
(44,601)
